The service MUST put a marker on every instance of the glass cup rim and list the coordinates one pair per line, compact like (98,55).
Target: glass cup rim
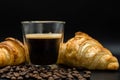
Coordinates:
(43,21)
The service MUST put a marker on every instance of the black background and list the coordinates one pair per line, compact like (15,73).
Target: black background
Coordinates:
(100,19)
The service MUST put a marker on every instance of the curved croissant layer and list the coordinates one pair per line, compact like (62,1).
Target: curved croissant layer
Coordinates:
(84,51)
(12,52)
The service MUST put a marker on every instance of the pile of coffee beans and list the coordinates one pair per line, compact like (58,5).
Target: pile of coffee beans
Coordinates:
(43,72)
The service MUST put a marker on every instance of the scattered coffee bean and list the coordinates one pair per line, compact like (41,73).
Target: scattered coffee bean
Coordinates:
(43,72)
(13,78)
(27,76)
(50,78)
(87,72)
(16,74)
(20,78)
(87,76)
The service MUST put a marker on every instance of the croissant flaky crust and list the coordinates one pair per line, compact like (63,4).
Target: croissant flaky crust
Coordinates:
(84,51)
(12,52)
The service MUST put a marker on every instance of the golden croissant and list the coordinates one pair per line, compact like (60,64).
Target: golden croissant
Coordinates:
(84,51)
(12,52)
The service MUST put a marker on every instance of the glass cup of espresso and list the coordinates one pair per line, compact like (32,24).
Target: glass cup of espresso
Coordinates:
(42,40)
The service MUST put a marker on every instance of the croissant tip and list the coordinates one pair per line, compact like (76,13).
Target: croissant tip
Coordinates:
(9,38)
(78,33)
(113,66)
(14,39)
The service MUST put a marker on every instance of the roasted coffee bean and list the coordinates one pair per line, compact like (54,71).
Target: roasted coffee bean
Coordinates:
(1,71)
(49,74)
(9,74)
(87,76)
(56,77)
(23,69)
(8,77)
(63,77)
(62,72)
(22,73)
(51,78)
(35,72)
(13,78)
(58,74)
(17,68)
(69,70)
(44,76)
(83,79)
(69,75)
(39,78)
(76,72)
(7,68)
(11,69)
(16,74)
(43,72)
(27,76)
(87,72)
(74,68)
(75,75)
(35,75)
(20,78)
(80,76)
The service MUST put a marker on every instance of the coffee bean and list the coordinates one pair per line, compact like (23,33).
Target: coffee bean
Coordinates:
(16,74)
(80,76)
(50,78)
(41,72)
(45,76)
(1,71)
(55,77)
(49,74)
(76,72)
(17,68)
(87,72)
(83,79)
(39,78)
(87,76)
(20,78)
(7,76)
(35,72)
(74,68)
(69,79)
(69,76)
(27,76)
(75,75)
(23,69)
(13,78)
(35,75)
(69,70)
(22,73)
(62,72)
(63,76)
(58,74)
(11,69)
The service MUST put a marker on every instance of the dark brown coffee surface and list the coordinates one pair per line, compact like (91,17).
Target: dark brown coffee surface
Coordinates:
(44,49)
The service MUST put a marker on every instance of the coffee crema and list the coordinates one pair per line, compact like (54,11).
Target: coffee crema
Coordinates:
(43,48)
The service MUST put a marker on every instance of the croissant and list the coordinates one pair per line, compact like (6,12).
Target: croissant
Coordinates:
(84,51)
(12,52)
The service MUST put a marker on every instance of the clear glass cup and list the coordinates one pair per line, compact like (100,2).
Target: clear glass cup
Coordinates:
(42,40)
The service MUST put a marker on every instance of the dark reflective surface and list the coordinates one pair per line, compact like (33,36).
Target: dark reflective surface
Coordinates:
(106,75)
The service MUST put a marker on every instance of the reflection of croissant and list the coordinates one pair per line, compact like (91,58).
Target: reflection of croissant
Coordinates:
(84,51)
(12,52)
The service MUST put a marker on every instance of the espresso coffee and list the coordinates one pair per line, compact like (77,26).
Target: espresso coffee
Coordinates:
(43,48)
